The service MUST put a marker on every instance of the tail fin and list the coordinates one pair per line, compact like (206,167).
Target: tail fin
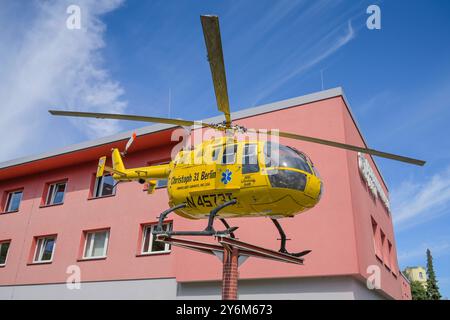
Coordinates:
(117,161)
(101,167)
(117,169)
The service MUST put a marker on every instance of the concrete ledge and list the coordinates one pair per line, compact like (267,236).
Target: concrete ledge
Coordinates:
(311,288)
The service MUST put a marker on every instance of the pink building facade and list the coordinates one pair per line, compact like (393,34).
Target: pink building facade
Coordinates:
(59,224)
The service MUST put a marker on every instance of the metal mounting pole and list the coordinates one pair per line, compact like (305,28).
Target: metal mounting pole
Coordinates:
(230,273)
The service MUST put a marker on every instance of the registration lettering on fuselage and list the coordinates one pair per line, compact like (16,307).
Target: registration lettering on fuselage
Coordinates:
(208,200)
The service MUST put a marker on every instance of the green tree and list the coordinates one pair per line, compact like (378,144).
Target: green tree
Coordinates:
(418,291)
(432,286)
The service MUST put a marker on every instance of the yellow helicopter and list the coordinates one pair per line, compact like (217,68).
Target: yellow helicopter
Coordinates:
(226,176)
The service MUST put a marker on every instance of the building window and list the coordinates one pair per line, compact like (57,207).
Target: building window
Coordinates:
(420,275)
(96,244)
(45,247)
(104,186)
(13,200)
(55,193)
(383,246)
(4,248)
(391,258)
(160,183)
(376,242)
(149,243)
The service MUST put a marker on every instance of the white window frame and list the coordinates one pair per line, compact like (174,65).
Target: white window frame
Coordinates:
(8,200)
(91,244)
(98,186)
(50,199)
(167,247)
(7,253)
(40,241)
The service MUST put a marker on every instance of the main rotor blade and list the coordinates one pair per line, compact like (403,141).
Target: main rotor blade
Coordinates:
(348,147)
(211,32)
(116,116)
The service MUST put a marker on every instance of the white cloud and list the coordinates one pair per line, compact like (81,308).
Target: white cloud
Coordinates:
(416,202)
(49,66)
(328,45)
(437,249)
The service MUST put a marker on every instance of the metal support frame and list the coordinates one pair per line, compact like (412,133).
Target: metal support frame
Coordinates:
(232,252)
(227,226)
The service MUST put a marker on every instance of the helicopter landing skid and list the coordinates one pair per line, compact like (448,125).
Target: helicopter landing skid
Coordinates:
(283,240)
(208,231)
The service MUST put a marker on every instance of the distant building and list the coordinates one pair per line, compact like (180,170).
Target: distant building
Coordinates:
(416,274)
(406,287)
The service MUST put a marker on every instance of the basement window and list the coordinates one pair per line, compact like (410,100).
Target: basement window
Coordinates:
(13,200)
(149,243)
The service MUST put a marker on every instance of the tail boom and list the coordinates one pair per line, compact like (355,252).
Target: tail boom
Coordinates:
(120,173)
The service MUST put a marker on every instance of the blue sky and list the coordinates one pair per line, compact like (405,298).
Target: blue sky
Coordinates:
(130,54)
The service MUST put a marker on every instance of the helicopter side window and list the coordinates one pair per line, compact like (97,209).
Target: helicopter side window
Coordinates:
(250,159)
(229,154)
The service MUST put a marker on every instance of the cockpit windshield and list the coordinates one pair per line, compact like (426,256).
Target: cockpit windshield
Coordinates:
(277,155)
